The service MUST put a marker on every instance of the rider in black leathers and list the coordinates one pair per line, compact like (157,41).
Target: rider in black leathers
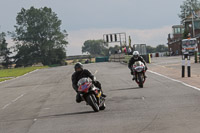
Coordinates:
(136,57)
(82,73)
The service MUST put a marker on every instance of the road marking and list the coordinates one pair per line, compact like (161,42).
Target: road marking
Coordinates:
(18,97)
(196,88)
(143,98)
(96,72)
(13,101)
(5,106)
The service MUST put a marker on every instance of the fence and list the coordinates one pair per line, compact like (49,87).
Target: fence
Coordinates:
(117,57)
(125,58)
(102,59)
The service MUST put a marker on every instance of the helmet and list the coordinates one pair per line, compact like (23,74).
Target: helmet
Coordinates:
(136,55)
(78,65)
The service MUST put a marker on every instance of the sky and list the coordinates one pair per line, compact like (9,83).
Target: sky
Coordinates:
(146,21)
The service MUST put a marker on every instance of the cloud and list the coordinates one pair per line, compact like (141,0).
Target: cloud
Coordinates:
(151,37)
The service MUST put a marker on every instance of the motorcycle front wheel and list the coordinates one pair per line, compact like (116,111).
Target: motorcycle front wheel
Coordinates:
(103,106)
(140,80)
(92,101)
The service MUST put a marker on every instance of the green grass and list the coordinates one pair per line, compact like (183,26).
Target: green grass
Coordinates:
(127,58)
(15,72)
(3,79)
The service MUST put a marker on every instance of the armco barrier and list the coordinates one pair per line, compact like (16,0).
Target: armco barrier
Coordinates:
(125,58)
(102,59)
(117,57)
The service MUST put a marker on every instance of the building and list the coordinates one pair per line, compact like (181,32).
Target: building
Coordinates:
(175,40)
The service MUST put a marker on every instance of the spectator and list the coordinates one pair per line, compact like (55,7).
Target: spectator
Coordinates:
(119,51)
(125,51)
(129,51)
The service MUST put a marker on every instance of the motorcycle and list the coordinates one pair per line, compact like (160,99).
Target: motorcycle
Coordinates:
(91,94)
(139,70)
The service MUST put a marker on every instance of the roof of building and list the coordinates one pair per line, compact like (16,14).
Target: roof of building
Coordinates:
(178,26)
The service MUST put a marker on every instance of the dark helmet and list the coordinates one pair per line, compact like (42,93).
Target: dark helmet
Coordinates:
(78,65)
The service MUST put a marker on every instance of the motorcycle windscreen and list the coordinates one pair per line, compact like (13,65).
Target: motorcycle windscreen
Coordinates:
(83,81)
(139,68)
(84,88)
(138,63)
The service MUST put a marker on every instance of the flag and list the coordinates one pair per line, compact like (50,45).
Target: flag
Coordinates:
(129,41)
(194,14)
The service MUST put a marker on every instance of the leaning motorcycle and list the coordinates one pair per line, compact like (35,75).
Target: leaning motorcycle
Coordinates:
(139,70)
(91,94)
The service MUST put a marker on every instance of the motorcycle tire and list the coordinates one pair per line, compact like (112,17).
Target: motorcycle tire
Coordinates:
(91,100)
(140,80)
(103,106)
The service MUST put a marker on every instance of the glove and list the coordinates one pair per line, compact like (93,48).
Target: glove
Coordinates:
(146,68)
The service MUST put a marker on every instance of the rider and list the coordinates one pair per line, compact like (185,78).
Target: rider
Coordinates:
(82,73)
(136,57)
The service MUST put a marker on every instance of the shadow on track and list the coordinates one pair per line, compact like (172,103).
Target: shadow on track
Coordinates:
(51,116)
(66,114)
(124,89)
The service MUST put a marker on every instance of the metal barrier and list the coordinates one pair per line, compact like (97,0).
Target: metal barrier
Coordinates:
(117,57)
(102,59)
(125,58)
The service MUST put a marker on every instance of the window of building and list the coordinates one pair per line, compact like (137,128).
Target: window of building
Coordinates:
(178,30)
(197,24)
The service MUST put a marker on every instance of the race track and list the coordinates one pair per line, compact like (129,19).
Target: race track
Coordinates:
(44,102)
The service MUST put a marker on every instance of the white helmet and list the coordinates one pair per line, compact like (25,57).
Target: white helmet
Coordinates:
(136,55)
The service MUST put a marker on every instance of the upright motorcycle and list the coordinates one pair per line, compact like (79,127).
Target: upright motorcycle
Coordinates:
(139,70)
(91,94)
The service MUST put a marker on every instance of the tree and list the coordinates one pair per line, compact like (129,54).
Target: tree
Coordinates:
(39,37)
(114,49)
(161,48)
(151,49)
(95,47)
(185,34)
(4,51)
(187,7)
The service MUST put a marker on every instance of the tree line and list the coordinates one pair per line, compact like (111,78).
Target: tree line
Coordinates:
(101,48)
(38,38)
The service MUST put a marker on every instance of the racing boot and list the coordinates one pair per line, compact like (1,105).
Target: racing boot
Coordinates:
(133,77)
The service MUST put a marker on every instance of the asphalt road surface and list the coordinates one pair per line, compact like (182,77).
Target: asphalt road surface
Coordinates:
(44,102)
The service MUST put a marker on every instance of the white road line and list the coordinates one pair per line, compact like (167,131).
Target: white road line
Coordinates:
(196,88)
(18,97)
(5,106)
(96,72)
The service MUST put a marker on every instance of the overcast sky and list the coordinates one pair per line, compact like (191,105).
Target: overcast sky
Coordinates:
(146,21)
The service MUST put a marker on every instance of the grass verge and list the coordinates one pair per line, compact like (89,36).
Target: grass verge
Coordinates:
(3,79)
(15,72)
(127,58)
